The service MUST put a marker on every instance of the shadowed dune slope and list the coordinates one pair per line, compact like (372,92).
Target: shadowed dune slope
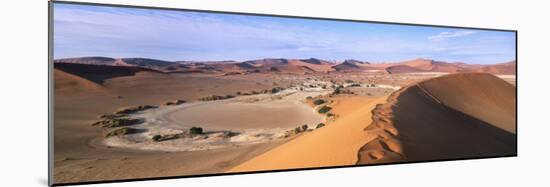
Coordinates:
(480,95)
(454,116)
(68,83)
(98,73)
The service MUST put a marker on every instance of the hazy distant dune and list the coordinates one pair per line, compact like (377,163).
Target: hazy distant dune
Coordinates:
(148,63)
(312,67)
(402,69)
(316,61)
(296,66)
(346,66)
(426,65)
(508,68)
(88,60)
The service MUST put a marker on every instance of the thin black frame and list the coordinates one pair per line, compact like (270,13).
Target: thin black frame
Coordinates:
(50,93)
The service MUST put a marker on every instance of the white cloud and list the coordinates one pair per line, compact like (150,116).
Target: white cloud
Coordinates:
(446,35)
(173,35)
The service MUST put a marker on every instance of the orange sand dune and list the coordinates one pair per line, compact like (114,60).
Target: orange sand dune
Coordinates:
(450,117)
(335,144)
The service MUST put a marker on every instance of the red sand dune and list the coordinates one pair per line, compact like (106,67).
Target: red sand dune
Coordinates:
(455,116)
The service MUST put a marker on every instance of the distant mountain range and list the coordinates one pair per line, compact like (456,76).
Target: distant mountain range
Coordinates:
(294,66)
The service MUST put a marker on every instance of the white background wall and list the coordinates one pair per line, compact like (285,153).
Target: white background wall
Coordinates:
(23,85)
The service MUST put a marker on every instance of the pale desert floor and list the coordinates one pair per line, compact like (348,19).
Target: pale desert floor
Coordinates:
(80,154)
(252,119)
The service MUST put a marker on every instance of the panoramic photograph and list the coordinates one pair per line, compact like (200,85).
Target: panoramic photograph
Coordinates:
(146,93)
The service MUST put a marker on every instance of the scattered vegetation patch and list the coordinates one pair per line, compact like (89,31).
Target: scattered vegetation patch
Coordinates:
(134,109)
(324,109)
(232,73)
(195,130)
(300,129)
(174,102)
(111,116)
(309,97)
(338,90)
(216,97)
(320,125)
(252,92)
(319,102)
(117,122)
(119,132)
(276,90)
(297,130)
(160,138)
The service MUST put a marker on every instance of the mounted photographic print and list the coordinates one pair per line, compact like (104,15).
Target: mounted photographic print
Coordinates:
(139,93)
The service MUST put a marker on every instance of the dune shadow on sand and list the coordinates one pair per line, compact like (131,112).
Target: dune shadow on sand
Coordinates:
(431,131)
(99,73)
(136,131)
(453,117)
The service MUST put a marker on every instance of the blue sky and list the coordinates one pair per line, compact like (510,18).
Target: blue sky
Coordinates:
(84,30)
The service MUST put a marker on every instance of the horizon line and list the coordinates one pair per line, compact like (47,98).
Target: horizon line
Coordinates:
(336,61)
